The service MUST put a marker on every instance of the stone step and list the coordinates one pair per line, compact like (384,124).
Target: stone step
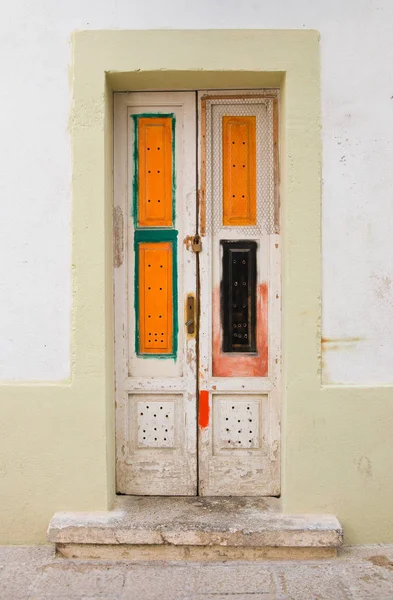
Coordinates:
(200,528)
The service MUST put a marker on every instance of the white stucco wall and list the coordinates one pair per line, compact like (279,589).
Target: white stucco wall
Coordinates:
(35,170)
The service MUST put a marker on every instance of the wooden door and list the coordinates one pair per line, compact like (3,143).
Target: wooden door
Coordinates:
(155,274)
(240,295)
(236,366)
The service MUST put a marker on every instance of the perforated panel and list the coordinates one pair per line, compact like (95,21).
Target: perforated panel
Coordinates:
(239,170)
(155,298)
(155,172)
(156,424)
(238,424)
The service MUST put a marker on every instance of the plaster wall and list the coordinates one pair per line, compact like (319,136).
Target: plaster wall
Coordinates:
(54,434)
(35,171)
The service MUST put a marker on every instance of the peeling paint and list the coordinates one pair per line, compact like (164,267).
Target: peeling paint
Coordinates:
(118,237)
(225,364)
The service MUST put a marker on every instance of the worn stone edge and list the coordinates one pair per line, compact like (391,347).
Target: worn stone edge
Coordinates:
(115,533)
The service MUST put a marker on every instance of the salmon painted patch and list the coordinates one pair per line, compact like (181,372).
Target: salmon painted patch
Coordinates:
(245,365)
(204,409)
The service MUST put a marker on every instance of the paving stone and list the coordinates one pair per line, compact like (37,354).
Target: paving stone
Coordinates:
(251,596)
(159,582)
(26,554)
(312,582)
(63,580)
(241,579)
(370,582)
(17,581)
(35,574)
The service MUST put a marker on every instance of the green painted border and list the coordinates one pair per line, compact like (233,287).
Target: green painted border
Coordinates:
(157,235)
(134,203)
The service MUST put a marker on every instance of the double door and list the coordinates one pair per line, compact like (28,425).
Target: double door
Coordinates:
(197,293)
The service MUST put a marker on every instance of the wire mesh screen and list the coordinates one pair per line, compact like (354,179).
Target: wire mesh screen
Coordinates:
(262,110)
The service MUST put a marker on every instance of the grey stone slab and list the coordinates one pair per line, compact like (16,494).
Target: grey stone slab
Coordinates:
(62,580)
(29,554)
(158,582)
(365,551)
(33,574)
(311,582)
(235,521)
(251,596)
(17,581)
(370,582)
(242,579)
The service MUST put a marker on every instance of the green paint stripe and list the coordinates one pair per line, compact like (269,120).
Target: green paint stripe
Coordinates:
(156,235)
(134,203)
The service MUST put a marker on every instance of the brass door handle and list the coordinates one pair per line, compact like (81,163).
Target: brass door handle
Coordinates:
(190,314)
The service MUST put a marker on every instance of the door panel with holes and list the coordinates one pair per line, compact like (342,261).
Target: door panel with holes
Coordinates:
(182,281)
(155,208)
(239,295)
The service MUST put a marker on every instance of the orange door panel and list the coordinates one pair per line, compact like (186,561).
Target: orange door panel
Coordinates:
(239,170)
(155,172)
(155,298)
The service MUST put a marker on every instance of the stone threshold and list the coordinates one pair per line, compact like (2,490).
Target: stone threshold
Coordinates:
(194,528)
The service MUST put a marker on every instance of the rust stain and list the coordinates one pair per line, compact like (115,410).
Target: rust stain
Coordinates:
(276,168)
(226,365)
(339,343)
(348,340)
(261,95)
(204,409)
(201,192)
(188,241)
(380,560)
(202,212)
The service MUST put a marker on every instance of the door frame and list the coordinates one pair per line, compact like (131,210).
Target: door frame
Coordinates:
(264,390)
(107,61)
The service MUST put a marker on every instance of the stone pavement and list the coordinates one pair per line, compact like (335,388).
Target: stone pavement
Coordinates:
(34,573)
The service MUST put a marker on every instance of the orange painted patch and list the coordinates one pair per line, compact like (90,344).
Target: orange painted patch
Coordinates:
(239,170)
(204,409)
(155,172)
(242,365)
(155,298)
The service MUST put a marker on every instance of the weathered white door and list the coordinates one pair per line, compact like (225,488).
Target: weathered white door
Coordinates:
(197,333)
(239,336)
(155,272)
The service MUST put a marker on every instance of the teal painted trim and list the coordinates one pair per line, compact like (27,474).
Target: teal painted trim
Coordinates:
(157,235)
(134,203)
(173,172)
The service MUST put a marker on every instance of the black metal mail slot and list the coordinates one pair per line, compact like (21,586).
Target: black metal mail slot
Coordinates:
(238,295)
